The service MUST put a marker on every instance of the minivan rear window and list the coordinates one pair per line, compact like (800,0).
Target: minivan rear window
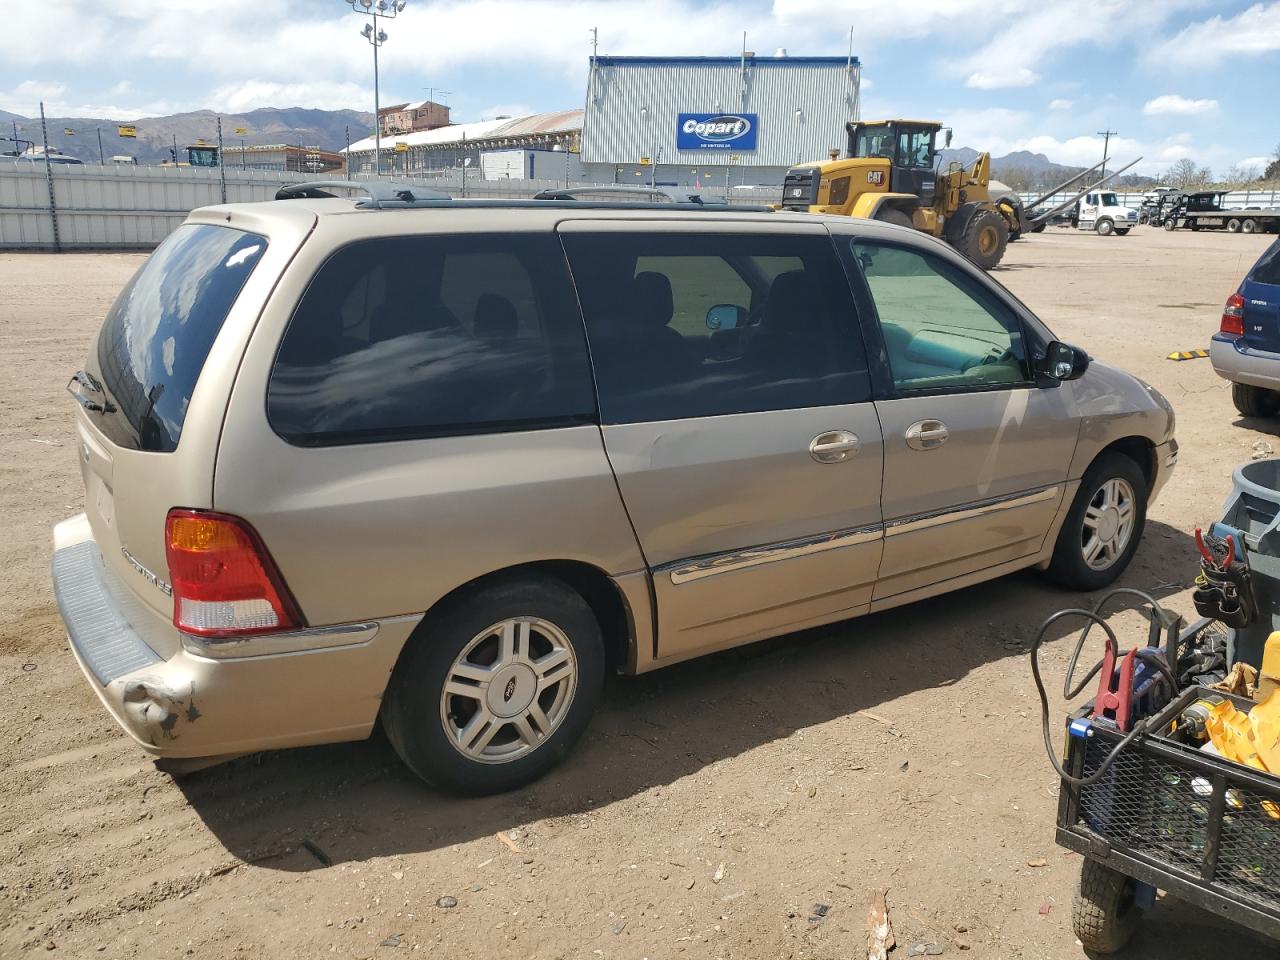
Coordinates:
(403,338)
(155,340)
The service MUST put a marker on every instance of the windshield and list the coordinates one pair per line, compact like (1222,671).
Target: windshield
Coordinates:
(158,334)
(1109,200)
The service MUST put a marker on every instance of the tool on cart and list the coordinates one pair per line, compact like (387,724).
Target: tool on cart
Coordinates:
(1128,694)
(1224,588)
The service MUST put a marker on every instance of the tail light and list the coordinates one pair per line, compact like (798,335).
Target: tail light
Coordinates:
(224,582)
(1233,316)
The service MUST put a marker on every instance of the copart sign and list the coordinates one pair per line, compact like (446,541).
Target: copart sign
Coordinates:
(716,131)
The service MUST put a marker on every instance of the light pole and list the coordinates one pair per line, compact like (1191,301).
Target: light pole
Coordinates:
(376,38)
(1106,142)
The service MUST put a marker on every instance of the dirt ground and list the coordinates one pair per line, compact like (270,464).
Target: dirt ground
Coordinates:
(711,809)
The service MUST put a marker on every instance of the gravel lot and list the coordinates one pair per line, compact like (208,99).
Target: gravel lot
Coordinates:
(710,807)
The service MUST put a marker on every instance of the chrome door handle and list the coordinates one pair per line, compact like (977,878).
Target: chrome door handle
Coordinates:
(834,446)
(927,434)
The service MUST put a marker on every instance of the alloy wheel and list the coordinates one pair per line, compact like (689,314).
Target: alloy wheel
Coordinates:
(509,690)
(1108,524)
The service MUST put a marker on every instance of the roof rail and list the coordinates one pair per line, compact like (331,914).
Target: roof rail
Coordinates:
(675,195)
(381,193)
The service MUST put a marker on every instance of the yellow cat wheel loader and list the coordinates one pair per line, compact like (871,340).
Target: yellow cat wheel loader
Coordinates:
(890,173)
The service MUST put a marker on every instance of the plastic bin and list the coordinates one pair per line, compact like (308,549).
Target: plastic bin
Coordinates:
(1254,508)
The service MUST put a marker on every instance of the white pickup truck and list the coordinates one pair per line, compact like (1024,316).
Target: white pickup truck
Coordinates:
(1103,213)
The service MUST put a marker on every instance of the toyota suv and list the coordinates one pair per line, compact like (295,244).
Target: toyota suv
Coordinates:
(443,463)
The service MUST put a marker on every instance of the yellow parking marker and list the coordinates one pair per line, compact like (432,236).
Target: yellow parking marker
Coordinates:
(1188,355)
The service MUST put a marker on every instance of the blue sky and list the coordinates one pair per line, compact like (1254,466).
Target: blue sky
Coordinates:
(1175,77)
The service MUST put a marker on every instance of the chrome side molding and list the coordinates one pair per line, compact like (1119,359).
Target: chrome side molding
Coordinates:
(687,571)
(895,528)
(684,571)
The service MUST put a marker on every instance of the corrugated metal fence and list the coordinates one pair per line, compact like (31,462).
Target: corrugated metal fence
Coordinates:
(115,208)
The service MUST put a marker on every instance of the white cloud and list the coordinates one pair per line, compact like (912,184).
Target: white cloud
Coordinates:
(1255,163)
(323,94)
(1172,103)
(505,110)
(1001,78)
(1061,104)
(1251,32)
(25,99)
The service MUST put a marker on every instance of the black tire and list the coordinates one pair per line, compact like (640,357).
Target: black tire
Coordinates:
(898,218)
(1249,225)
(1105,227)
(1068,566)
(1233,225)
(1171,224)
(1123,231)
(1104,915)
(1255,401)
(984,238)
(412,708)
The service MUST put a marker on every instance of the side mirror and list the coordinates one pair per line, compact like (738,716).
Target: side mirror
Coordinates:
(1062,361)
(725,316)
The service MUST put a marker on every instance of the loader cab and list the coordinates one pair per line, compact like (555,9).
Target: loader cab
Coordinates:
(910,146)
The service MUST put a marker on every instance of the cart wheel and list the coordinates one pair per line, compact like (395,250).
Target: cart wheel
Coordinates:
(1104,914)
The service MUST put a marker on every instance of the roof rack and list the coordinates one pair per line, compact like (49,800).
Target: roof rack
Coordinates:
(381,193)
(675,195)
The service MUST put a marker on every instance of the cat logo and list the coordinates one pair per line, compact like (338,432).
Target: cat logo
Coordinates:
(875,176)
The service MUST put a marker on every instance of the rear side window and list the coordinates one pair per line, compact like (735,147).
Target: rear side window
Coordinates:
(158,334)
(407,337)
(704,325)
(1267,270)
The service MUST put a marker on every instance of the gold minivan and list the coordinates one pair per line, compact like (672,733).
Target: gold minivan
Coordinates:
(443,463)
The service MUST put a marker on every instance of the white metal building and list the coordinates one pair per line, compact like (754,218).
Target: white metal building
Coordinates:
(714,121)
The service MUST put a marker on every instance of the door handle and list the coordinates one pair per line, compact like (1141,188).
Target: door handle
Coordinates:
(834,446)
(927,434)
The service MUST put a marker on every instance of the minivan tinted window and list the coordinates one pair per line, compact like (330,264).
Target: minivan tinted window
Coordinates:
(158,333)
(705,325)
(405,337)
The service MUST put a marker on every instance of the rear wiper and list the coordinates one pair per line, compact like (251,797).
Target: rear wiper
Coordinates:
(87,379)
(93,406)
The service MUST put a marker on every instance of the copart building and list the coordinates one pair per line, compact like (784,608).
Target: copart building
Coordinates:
(714,121)
(698,121)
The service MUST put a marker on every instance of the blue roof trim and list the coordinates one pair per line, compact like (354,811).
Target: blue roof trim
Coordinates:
(723,61)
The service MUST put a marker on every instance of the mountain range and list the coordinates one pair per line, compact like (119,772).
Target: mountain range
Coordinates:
(327,129)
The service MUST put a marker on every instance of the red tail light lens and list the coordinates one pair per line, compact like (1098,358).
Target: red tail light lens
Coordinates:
(224,582)
(1233,316)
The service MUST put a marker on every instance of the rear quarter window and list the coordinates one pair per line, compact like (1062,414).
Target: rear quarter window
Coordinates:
(1267,270)
(157,336)
(400,338)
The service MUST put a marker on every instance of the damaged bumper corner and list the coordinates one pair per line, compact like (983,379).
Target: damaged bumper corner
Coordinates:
(301,690)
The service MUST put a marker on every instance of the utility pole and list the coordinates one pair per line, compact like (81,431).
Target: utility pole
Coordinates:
(1106,142)
(222,167)
(48,175)
(102,162)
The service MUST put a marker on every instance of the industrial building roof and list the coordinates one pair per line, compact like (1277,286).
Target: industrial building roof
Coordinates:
(557,121)
(751,59)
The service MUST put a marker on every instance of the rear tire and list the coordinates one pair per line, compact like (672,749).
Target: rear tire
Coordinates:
(1255,401)
(1104,915)
(1249,226)
(984,239)
(1098,537)
(898,218)
(555,662)
(1233,225)
(1123,231)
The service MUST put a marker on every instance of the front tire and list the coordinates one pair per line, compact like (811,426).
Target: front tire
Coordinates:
(497,687)
(1255,401)
(1104,228)
(898,218)
(1170,224)
(985,238)
(1233,225)
(1104,914)
(1104,525)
